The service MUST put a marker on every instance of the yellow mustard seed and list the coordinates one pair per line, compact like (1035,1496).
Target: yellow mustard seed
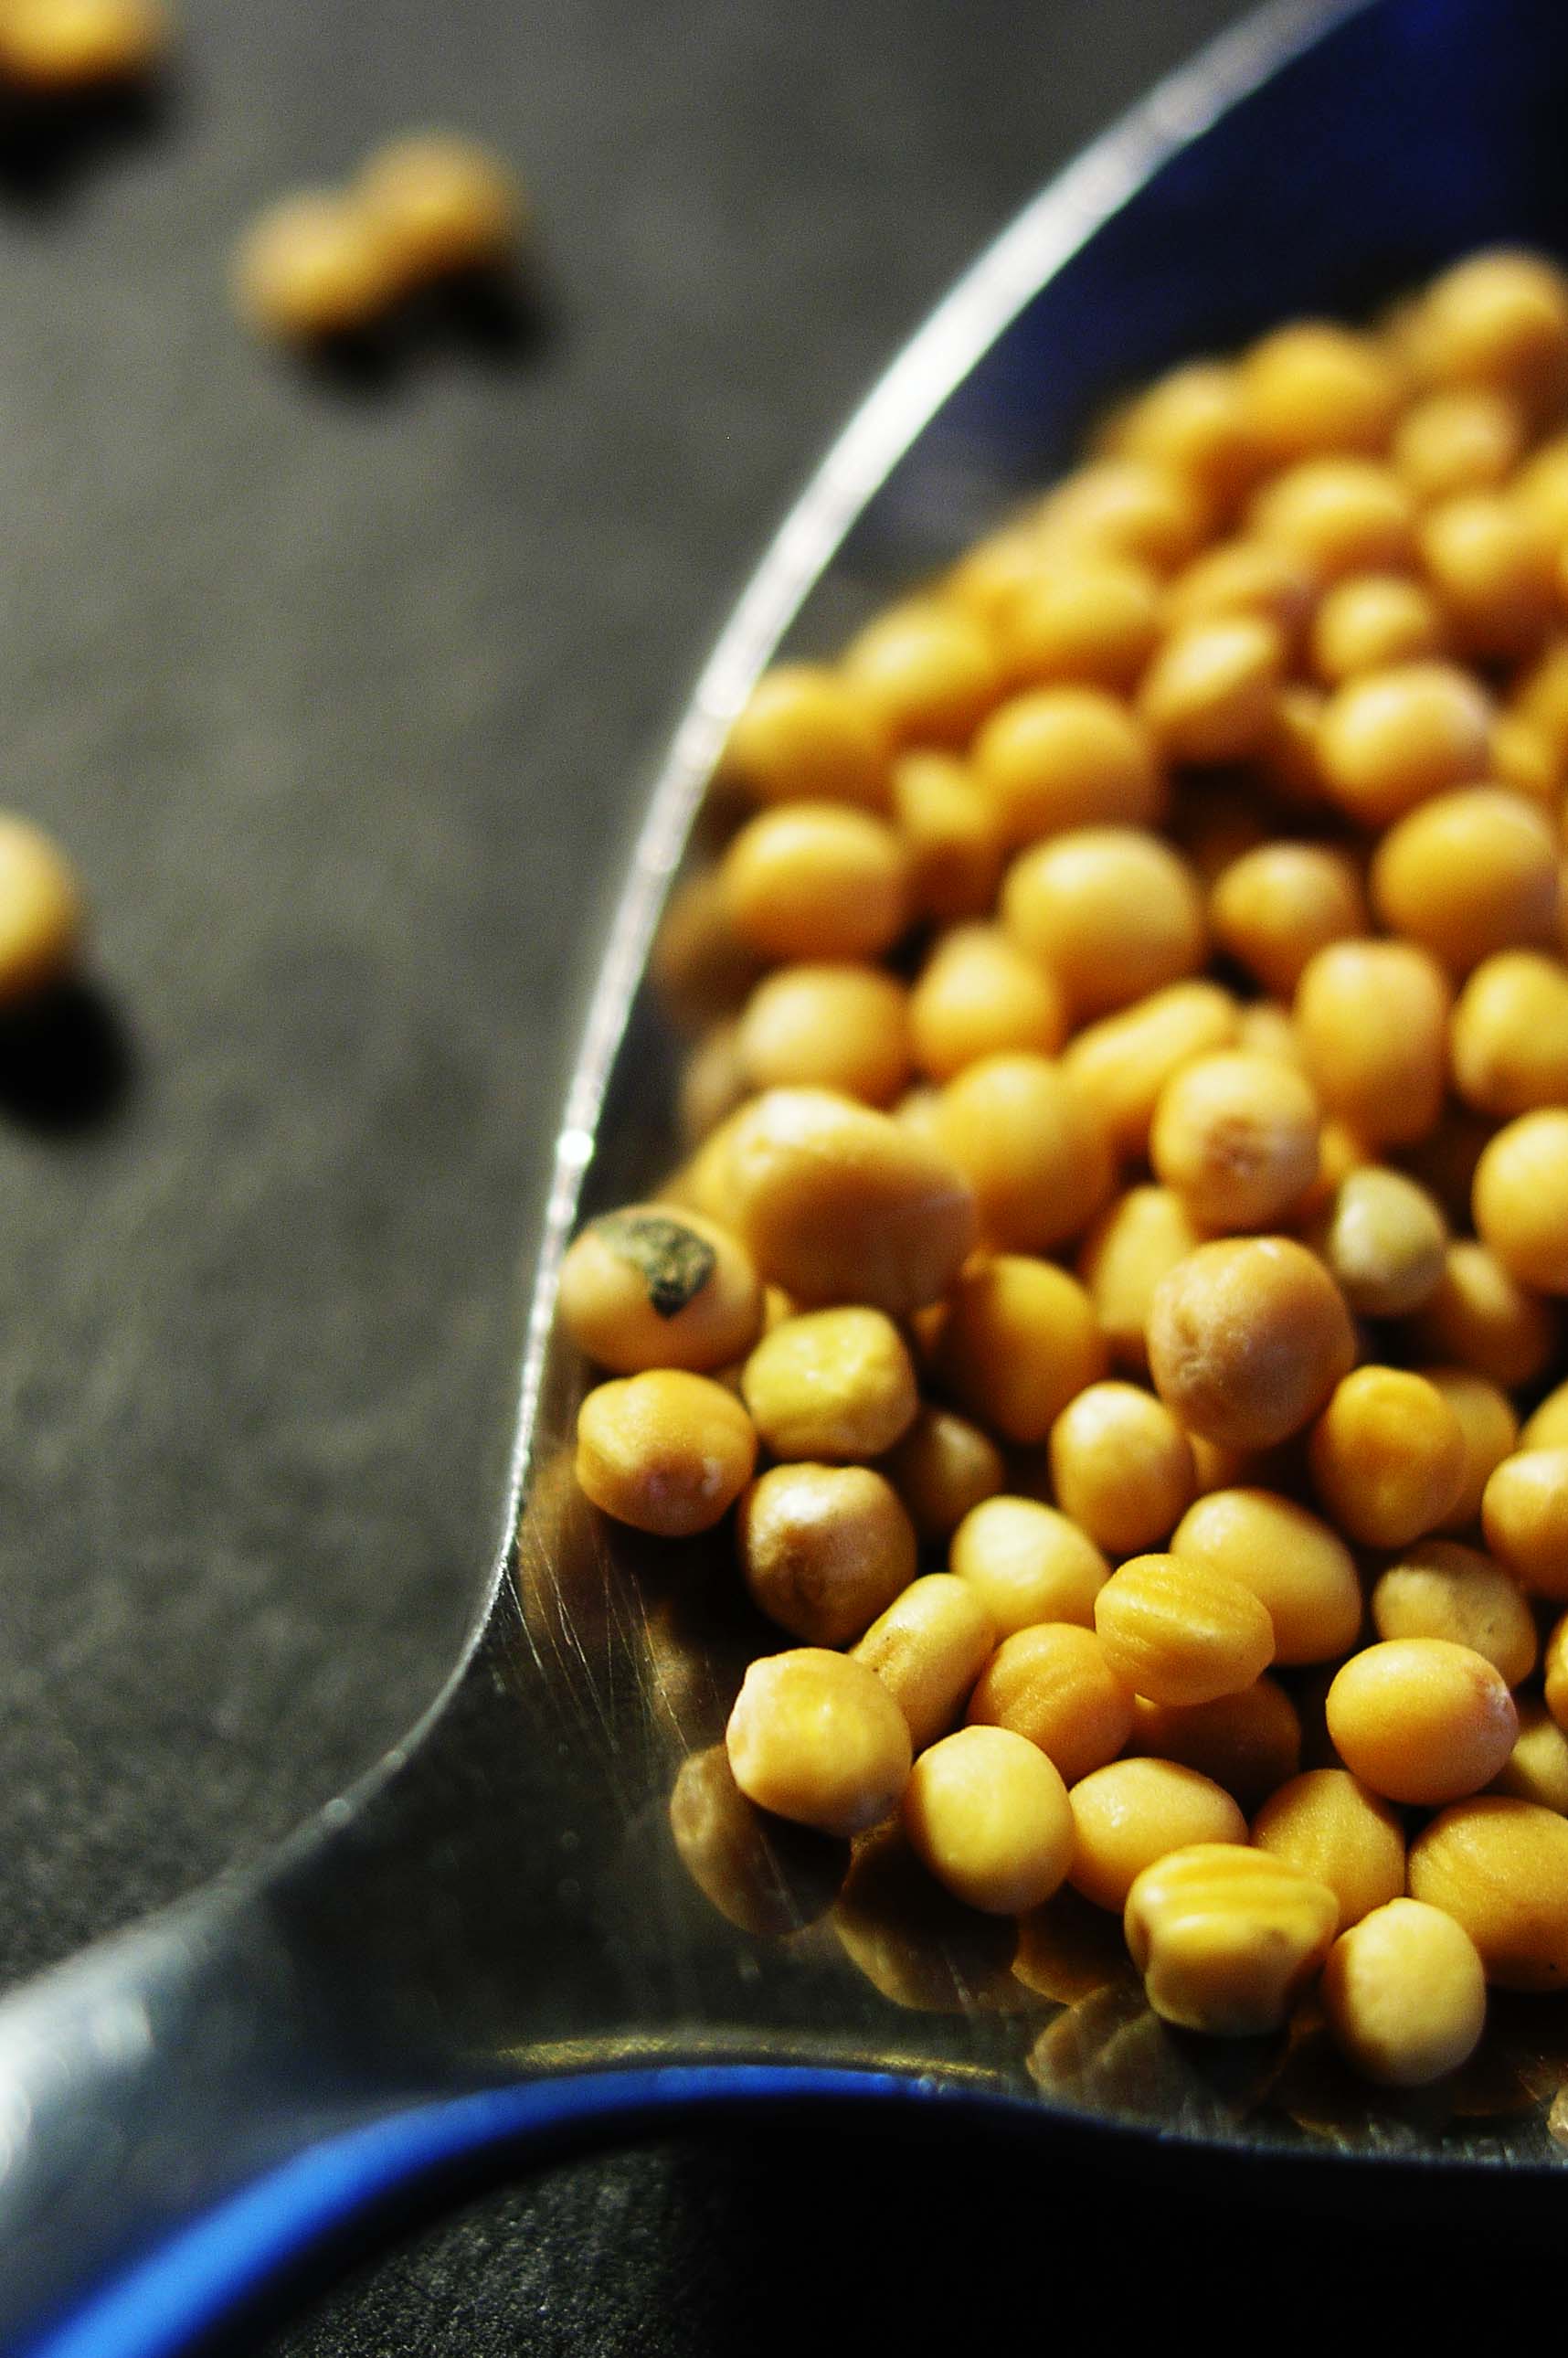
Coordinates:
(1062,757)
(1247,1339)
(1372,620)
(1547,1428)
(927,671)
(1392,738)
(1122,1062)
(1469,438)
(444,206)
(1470,874)
(313,267)
(944,1466)
(1421,1720)
(1404,1994)
(1019,1338)
(647,1287)
(1442,1589)
(1509,1036)
(1053,1683)
(836,1203)
(1227,1936)
(1089,622)
(1537,1769)
(1522,757)
(978,995)
(1314,387)
(928,1649)
(1484,1319)
(664,1450)
(1499,1867)
(1121,1468)
(1298,1567)
(825,1548)
(815,1736)
(1180,1632)
(1373,1022)
(1136,1240)
(950,837)
(1491,562)
(41,910)
(1132,1812)
(807,734)
(1210,693)
(1235,1135)
(1341,515)
(1250,1741)
(1490,1426)
(831,1384)
(816,880)
(1497,319)
(987,1813)
(1524,1511)
(1334,1828)
(1521,1198)
(1388,1456)
(1247,576)
(1032,1146)
(1197,422)
(1127,507)
(1384,1240)
(827,1026)
(1028,1563)
(701,966)
(1276,906)
(1067,903)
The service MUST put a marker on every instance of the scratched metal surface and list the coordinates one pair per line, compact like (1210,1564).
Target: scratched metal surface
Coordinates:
(638,1653)
(344,697)
(608,1662)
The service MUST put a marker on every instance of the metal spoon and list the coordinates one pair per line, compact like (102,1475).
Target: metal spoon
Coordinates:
(493,1943)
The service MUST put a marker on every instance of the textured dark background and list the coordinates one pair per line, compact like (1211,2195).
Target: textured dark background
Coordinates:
(342,695)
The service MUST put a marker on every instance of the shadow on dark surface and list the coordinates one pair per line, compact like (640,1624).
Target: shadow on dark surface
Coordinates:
(501,319)
(788,2240)
(65,1060)
(505,317)
(49,146)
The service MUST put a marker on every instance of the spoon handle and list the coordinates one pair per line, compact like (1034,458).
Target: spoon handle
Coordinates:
(141,2085)
(176,2153)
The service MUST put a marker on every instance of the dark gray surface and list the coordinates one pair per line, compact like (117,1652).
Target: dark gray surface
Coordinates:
(342,697)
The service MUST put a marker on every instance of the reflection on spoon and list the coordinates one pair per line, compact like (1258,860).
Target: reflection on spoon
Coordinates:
(920,1947)
(765,1876)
